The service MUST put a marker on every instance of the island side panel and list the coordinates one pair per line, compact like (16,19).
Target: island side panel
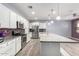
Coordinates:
(50,49)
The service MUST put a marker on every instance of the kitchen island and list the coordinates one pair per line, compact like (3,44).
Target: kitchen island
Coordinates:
(47,46)
(52,45)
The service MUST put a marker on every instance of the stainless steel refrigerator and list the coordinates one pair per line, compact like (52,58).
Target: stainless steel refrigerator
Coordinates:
(35,32)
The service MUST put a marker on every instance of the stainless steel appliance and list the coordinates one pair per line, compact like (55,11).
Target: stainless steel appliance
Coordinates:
(35,32)
(23,40)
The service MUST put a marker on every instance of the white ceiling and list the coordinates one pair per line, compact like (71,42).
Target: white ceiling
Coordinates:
(43,9)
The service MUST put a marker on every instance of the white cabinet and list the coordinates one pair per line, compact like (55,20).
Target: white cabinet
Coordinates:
(26,25)
(8,49)
(21,19)
(3,49)
(4,16)
(8,18)
(11,49)
(25,22)
(17,44)
(13,19)
(42,26)
(18,17)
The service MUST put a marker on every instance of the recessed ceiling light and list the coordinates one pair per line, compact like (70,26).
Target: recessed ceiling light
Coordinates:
(74,14)
(33,13)
(30,7)
(52,22)
(58,18)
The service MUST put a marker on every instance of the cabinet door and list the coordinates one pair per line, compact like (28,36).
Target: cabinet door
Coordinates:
(18,44)
(11,48)
(13,19)
(4,16)
(26,25)
(42,26)
(8,49)
(18,17)
(3,48)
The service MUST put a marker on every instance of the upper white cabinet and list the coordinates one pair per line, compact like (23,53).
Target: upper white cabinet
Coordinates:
(26,25)
(4,17)
(42,25)
(8,18)
(13,19)
(18,17)
(25,22)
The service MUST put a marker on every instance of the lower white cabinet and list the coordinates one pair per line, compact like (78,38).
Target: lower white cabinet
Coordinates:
(10,48)
(17,44)
(3,49)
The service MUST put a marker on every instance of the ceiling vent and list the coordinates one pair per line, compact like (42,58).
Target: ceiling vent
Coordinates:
(74,14)
(30,7)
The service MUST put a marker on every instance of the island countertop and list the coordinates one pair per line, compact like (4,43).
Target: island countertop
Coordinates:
(55,38)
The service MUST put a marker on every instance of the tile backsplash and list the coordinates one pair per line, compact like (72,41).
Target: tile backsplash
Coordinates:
(8,32)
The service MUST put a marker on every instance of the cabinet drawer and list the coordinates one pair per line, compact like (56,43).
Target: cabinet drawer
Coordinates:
(11,42)
(8,49)
(4,54)
(3,45)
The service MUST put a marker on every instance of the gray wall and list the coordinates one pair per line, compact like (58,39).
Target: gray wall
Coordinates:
(60,27)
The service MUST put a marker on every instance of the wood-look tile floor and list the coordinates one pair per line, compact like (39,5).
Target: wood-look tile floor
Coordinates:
(31,49)
(71,48)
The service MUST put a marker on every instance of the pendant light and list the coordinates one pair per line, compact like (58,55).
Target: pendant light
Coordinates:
(53,11)
(58,17)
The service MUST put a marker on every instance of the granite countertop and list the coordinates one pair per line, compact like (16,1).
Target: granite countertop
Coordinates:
(7,39)
(55,38)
